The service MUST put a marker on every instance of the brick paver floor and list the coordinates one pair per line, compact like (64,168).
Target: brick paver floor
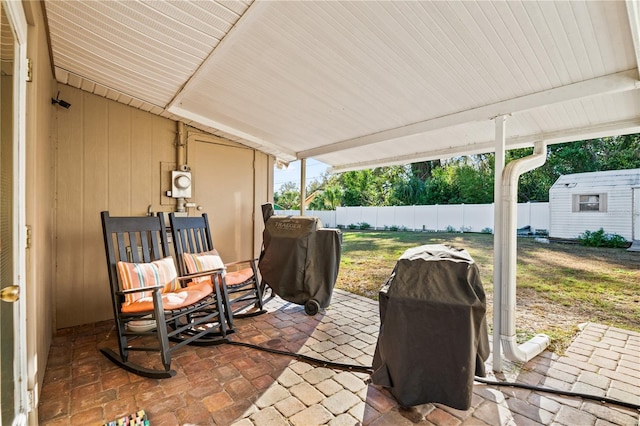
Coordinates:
(231,385)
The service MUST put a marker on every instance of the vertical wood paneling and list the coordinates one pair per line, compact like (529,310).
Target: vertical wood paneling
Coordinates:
(95,195)
(120,161)
(224,186)
(69,288)
(163,134)
(141,163)
(108,158)
(263,183)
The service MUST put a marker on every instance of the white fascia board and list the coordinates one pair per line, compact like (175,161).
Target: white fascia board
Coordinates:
(571,135)
(612,83)
(186,114)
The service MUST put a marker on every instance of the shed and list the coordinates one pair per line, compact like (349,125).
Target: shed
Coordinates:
(589,201)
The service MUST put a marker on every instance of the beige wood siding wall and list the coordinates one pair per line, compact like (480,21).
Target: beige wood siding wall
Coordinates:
(264,194)
(110,157)
(230,182)
(39,214)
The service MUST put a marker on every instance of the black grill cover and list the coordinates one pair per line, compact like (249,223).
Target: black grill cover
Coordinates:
(300,259)
(433,334)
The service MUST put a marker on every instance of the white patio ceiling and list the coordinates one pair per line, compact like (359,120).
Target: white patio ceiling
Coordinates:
(362,83)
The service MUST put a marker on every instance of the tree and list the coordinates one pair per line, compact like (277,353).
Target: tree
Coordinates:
(467,179)
(288,198)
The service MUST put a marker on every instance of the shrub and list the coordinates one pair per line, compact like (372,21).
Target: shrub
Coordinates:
(364,225)
(451,229)
(487,231)
(352,226)
(340,226)
(393,228)
(601,239)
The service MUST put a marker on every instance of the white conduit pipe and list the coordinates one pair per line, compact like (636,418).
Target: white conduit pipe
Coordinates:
(512,172)
(180,160)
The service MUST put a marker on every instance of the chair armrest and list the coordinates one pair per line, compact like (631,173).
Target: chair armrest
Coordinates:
(242,261)
(141,289)
(187,277)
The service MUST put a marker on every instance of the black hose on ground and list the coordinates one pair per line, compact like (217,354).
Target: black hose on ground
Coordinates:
(311,360)
(369,370)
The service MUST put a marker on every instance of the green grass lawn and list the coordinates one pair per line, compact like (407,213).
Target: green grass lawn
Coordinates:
(558,285)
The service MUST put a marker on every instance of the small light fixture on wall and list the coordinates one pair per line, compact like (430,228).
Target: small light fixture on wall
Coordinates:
(281,165)
(62,103)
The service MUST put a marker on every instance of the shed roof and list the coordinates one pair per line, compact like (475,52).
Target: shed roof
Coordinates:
(626,177)
(361,84)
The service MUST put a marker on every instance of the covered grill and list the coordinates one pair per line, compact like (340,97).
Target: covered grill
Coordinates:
(433,334)
(300,259)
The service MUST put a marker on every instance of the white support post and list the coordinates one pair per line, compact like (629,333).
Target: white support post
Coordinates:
(303,189)
(498,239)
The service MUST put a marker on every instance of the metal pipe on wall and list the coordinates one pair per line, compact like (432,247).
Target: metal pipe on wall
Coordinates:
(181,148)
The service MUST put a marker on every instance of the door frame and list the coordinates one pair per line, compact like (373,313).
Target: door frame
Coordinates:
(17,21)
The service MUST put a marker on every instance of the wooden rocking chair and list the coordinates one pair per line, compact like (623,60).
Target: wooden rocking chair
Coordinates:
(195,253)
(145,288)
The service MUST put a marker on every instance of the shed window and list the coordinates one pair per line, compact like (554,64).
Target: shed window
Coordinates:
(590,203)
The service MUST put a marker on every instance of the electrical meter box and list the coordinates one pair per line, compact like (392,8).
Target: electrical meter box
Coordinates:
(180,184)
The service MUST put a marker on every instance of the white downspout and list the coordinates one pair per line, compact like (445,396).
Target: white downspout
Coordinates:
(512,172)
(303,189)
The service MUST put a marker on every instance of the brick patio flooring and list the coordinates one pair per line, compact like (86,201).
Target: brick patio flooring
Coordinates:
(227,385)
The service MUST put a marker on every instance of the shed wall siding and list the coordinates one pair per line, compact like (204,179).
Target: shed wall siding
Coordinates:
(565,223)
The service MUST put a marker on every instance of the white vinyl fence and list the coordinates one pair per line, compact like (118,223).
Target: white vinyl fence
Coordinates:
(458,217)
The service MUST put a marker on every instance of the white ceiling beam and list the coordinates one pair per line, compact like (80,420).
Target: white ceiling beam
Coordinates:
(186,114)
(633,13)
(612,83)
(570,135)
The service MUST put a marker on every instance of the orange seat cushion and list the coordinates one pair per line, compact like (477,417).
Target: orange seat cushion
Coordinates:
(159,272)
(172,300)
(238,277)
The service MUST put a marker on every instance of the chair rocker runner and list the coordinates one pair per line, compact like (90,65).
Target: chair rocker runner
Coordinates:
(195,253)
(145,287)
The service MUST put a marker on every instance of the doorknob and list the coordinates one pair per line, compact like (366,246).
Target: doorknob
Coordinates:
(10,294)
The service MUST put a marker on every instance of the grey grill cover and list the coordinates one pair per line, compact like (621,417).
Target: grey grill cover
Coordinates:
(300,259)
(433,334)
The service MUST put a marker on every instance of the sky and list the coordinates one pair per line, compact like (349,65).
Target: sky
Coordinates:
(292,173)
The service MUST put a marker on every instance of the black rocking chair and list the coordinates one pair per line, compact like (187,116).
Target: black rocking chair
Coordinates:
(151,304)
(241,288)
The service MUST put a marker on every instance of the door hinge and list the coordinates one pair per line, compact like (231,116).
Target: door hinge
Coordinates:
(31,403)
(29,69)
(28,239)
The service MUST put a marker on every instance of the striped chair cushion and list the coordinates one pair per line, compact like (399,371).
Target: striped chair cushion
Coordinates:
(138,275)
(202,262)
